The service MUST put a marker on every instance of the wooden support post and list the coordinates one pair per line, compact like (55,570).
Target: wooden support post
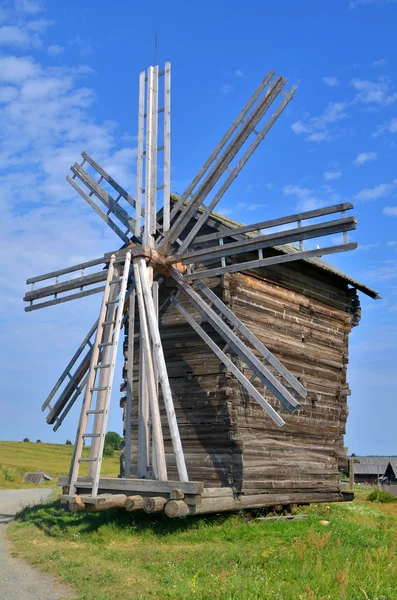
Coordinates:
(130,368)
(154,504)
(158,443)
(162,371)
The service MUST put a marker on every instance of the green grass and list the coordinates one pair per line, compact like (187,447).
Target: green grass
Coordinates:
(16,458)
(381,497)
(113,555)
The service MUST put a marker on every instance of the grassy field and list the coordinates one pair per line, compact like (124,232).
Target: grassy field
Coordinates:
(16,458)
(340,551)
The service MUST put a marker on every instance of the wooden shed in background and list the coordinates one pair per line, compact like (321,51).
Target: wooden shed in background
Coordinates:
(303,312)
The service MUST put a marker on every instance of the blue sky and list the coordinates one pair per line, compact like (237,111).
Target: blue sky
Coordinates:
(68,82)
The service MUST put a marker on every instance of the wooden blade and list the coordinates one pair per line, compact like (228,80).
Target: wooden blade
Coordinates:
(229,364)
(270,261)
(238,346)
(253,340)
(221,164)
(267,241)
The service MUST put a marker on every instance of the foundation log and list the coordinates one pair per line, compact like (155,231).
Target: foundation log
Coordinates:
(154,504)
(176,508)
(133,503)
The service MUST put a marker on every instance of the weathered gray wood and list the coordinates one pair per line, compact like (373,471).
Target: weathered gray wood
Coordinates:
(139,167)
(154,504)
(167,147)
(224,161)
(162,371)
(109,179)
(70,365)
(104,197)
(257,344)
(310,214)
(189,190)
(137,485)
(241,349)
(176,508)
(79,389)
(99,503)
(271,261)
(158,442)
(225,186)
(228,363)
(267,241)
(68,298)
(79,267)
(98,210)
(65,286)
(133,503)
(218,492)
(78,448)
(177,494)
(130,375)
(98,452)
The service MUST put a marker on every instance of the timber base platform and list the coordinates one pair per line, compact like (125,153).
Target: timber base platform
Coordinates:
(179,499)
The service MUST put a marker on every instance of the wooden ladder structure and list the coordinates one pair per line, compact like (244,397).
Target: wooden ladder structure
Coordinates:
(100,376)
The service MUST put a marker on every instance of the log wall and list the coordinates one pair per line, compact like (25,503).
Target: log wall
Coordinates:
(305,319)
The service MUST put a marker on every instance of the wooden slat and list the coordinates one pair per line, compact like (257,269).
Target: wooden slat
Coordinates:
(66,286)
(271,261)
(137,485)
(68,298)
(109,179)
(302,216)
(267,241)
(98,210)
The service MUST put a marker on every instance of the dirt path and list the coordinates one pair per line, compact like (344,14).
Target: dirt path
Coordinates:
(18,581)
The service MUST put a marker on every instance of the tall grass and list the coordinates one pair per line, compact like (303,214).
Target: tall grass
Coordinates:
(16,458)
(107,556)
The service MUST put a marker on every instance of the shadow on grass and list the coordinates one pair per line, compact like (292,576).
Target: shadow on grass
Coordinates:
(56,522)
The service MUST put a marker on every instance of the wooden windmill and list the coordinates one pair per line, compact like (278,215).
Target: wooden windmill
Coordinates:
(169,239)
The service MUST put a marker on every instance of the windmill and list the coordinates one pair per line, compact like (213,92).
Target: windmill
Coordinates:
(166,237)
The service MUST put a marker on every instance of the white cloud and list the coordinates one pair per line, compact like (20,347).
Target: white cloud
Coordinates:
(379,191)
(12,35)
(379,63)
(227,88)
(387,127)
(390,211)
(55,50)
(317,129)
(367,247)
(306,199)
(239,73)
(384,271)
(15,70)
(364,157)
(330,81)
(30,7)
(251,207)
(354,3)
(331,175)
(374,92)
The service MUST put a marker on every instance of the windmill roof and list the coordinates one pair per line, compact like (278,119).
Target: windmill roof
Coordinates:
(374,465)
(291,248)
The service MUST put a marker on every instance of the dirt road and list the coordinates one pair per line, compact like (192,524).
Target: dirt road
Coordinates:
(18,581)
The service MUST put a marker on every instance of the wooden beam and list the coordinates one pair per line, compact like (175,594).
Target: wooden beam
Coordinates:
(68,298)
(229,364)
(267,241)
(65,286)
(257,344)
(223,163)
(310,214)
(158,442)
(241,349)
(109,179)
(138,486)
(105,217)
(270,261)
(79,267)
(234,173)
(162,371)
